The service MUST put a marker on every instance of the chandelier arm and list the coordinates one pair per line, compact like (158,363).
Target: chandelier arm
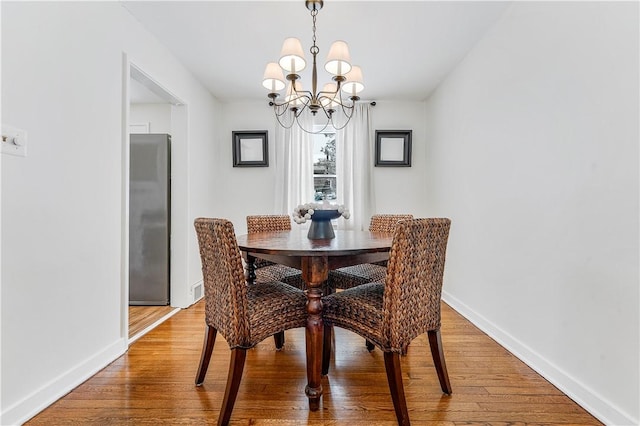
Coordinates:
(336,101)
(341,127)
(328,95)
(280,111)
(348,112)
(346,109)
(314,100)
(342,101)
(293,121)
(305,94)
(327,113)
(299,110)
(315,132)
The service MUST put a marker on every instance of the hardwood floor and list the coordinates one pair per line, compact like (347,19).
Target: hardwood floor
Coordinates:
(153,383)
(141,317)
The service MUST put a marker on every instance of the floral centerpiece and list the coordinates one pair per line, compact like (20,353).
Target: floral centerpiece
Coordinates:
(320,215)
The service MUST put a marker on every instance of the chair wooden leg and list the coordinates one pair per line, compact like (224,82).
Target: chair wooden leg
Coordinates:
(278,339)
(435,342)
(394,377)
(236,366)
(326,348)
(370,346)
(207,348)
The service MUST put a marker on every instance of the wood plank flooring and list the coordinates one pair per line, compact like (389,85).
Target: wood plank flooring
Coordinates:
(153,383)
(141,317)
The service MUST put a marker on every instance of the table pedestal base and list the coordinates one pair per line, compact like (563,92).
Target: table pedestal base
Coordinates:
(315,271)
(321,230)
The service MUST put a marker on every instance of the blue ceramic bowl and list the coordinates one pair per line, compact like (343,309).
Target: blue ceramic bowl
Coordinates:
(321,227)
(325,214)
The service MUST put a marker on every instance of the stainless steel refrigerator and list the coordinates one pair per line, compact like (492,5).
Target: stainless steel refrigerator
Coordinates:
(149,219)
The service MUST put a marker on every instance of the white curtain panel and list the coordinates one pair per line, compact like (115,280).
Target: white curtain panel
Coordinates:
(354,168)
(294,167)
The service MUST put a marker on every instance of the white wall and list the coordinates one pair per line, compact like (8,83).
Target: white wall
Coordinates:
(251,190)
(158,116)
(194,160)
(62,212)
(534,156)
(243,191)
(531,147)
(402,189)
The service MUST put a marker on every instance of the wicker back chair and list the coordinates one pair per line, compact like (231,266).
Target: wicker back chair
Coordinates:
(266,271)
(267,223)
(392,313)
(243,314)
(387,222)
(269,271)
(352,276)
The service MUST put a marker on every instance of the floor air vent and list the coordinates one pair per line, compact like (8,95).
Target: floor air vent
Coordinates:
(197,292)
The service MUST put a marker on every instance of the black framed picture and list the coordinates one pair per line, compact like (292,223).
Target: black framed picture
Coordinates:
(393,148)
(250,148)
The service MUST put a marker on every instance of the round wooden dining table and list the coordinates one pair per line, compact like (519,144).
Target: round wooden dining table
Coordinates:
(314,258)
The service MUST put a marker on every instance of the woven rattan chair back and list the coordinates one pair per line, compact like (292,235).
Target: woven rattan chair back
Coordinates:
(351,276)
(225,286)
(387,222)
(392,313)
(243,314)
(265,270)
(268,223)
(384,223)
(413,286)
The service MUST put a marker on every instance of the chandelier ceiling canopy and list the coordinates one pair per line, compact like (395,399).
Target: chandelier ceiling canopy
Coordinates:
(335,98)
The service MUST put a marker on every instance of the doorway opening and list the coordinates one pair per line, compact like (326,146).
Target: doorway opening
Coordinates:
(148,235)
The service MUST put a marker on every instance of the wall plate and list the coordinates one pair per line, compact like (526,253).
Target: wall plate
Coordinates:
(14,141)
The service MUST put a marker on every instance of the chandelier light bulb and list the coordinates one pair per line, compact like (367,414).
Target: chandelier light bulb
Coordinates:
(328,103)
(329,92)
(292,56)
(338,59)
(273,79)
(294,97)
(354,83)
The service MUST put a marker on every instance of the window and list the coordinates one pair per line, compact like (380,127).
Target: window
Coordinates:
(324,165)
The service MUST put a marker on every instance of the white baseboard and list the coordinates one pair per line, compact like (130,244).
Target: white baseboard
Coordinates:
(40,399)
(587,398)
(591,401)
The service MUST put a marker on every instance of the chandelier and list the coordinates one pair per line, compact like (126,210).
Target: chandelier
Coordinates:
(341,95)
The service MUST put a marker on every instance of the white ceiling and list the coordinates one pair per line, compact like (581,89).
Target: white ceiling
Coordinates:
(405,48)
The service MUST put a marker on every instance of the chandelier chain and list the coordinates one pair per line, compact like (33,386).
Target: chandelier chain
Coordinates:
(314,49)
(330,99)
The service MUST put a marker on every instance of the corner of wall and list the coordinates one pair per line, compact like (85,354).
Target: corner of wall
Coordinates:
(596,404)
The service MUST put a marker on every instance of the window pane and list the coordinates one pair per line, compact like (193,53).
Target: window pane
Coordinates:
(324,166)
(325,187)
